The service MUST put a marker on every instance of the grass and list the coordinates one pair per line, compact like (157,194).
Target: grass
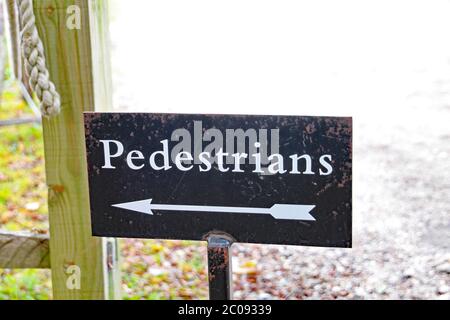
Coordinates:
(25,285)
(151,269)
(22,194)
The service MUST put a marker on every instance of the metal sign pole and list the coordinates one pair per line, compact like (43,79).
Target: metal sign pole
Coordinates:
(219,267)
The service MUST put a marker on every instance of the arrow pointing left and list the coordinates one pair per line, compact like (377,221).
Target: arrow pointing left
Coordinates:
(278,211)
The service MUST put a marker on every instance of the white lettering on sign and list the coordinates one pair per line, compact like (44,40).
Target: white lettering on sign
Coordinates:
(184,160)
(228,155)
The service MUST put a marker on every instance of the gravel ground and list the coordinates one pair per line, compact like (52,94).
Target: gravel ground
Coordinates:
(401,216)
(394,79)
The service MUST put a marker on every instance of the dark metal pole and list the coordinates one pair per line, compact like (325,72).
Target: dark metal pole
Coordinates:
(219,267)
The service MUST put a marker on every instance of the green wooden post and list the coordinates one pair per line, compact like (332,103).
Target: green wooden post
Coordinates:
(82,267)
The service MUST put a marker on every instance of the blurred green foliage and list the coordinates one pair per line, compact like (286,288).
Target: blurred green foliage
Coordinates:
(25,285)
(22,192)
(151,269)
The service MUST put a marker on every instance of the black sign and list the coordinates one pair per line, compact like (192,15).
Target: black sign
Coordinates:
(258,179)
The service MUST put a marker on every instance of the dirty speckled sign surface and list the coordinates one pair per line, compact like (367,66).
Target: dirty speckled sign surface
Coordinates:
(257,179)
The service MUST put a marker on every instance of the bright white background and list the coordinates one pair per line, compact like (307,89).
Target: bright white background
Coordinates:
(386,63)
(359,58)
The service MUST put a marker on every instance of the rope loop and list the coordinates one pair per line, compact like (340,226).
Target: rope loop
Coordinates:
(34,61)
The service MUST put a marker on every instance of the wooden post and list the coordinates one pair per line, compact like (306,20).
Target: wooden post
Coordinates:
(23,250)
(70,53)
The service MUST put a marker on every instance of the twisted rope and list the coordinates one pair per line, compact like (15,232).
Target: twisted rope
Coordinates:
(34,61)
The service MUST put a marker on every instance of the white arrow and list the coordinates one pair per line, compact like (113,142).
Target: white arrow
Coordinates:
(278,211)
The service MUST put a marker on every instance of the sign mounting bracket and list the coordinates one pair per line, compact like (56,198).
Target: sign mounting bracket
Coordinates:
(219,267)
